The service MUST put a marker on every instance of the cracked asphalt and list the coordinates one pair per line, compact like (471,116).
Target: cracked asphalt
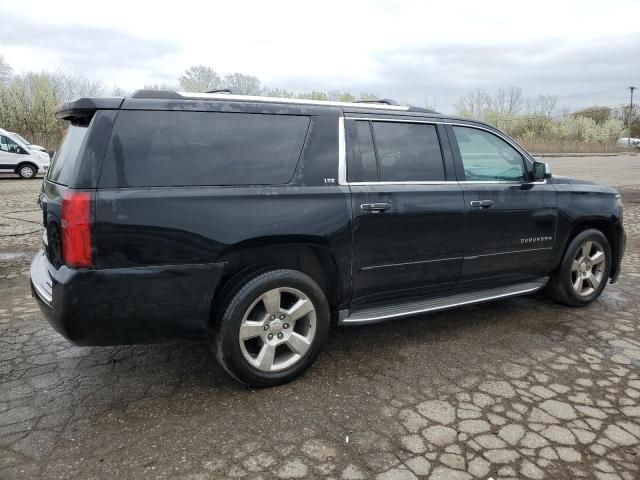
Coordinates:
(521,388)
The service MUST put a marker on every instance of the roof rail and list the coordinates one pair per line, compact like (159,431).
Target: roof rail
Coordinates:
(149,93)
(422,110)
(225,95)
(385,101)
(221,90)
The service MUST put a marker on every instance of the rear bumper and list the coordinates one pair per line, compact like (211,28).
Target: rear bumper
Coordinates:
(125,305)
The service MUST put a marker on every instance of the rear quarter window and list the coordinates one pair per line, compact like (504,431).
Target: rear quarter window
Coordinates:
(172,148)
(64,165)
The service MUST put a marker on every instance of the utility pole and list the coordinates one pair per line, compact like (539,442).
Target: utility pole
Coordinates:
(631,89)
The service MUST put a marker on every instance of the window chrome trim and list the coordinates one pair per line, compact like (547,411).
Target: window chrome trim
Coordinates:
(342,153)
(502,182)
(497,133)
(426,182)
(398,120)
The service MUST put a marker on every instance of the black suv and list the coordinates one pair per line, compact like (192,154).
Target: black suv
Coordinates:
(255,221)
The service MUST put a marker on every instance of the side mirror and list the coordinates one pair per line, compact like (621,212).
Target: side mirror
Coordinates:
(540,172)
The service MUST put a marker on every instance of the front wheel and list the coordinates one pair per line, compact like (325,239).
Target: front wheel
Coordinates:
(27,171)
(273,328)
(584,270)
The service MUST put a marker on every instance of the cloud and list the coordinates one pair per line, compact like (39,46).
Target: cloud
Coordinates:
(443,72)
(411,50)
(91,50)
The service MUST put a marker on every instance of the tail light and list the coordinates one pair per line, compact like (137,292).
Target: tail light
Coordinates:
(76,229)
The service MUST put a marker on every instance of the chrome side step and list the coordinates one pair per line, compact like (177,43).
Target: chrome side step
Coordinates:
(414,307)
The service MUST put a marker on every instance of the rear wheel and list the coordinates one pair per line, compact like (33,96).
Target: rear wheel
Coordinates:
(27,171)
(584,270)
(273,328)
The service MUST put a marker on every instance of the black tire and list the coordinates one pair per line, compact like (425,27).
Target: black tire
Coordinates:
(227,333)
(27,171)
(561,287)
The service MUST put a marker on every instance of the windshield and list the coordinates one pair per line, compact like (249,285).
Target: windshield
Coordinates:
(20,137)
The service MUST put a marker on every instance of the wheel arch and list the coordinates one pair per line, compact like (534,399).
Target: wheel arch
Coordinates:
(604,225)
(26,162)
(247,259)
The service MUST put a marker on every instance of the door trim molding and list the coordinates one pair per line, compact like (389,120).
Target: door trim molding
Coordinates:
(473,257)
(402,264)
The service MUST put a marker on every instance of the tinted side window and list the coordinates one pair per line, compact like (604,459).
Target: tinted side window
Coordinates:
(175,148)
(487,157)
(363,167)
(8,145)
(68,155)
(408,152)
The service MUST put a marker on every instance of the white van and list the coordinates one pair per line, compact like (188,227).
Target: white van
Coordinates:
(17,157)
(31,146)
(625,142)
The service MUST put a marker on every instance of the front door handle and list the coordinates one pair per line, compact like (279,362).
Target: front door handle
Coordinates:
(482,203)
(375,207)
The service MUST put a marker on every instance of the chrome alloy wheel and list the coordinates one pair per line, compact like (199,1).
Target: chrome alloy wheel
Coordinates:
(278,329)
(588,268)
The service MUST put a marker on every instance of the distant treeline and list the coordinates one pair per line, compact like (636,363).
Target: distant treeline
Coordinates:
(28,101)
(536,120)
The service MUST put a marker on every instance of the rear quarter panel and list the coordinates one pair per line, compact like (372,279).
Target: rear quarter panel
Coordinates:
(151,226)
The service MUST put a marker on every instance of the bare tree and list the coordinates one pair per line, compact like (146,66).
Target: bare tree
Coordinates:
(119,91)
(368,96)
(543,105)
(474,104)
(5,70)
(200,78)
(242,84)
(159,86)
(28,102)
(277,92)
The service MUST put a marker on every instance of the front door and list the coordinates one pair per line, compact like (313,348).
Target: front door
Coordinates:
(408,210)
(511,221)
(9,153)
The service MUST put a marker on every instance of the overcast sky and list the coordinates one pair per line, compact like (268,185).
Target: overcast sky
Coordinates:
(586,52)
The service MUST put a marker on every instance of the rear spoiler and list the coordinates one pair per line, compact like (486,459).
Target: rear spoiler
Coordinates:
(84,108)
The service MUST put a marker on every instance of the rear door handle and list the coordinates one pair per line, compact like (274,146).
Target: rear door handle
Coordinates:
(375,207)
(482,203)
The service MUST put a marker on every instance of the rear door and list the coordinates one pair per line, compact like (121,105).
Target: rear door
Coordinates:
(408,210)
(511,221)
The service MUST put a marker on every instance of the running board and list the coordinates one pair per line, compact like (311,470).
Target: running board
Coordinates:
(414,307)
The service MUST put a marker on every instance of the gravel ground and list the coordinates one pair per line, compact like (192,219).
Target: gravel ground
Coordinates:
(521,388)
(619,171)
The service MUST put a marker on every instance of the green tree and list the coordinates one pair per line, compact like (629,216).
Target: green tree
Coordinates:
(595,113)
(28,102)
